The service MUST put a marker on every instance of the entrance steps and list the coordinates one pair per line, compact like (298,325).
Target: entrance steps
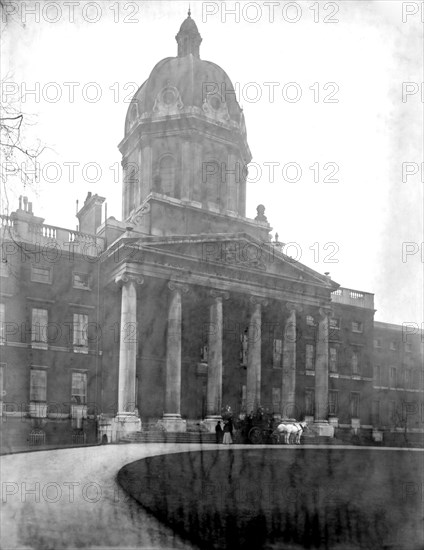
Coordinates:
(169,437)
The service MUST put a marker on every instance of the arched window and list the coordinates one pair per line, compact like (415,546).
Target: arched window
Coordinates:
(212,181)
(166,180)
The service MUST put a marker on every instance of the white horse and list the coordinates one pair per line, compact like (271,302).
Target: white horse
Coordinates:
(291,428)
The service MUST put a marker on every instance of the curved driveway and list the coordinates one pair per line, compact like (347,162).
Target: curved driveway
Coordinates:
(69,498)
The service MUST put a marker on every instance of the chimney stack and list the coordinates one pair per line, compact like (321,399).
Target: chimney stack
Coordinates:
(90,215)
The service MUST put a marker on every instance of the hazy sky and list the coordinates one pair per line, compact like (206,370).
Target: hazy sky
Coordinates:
(358,53)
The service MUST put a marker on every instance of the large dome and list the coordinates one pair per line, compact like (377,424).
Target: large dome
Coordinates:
(184,84)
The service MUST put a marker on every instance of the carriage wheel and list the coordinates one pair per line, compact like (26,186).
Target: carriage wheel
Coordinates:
(255,436)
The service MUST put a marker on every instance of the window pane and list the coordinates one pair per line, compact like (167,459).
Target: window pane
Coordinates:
(80,330)
(81,280)
(79,388)
(278,353)
(38,385)
(309,360)
(39,325)
(2,321)
(333,359)
(333,402)
(40,274)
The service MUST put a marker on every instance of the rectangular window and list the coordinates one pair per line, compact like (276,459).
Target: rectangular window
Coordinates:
(356,326)
(38,385)
(392,411)
(2,323)
(334,324)
(355,362)
(276,399)
(41,274)
(81,281)
(309,357)
(80,331)
(2,379)
(408,378)
(408,347)
(39,325)
(377,375)
(333,359)
(393,345)
(392,377)
(377,343)
(354,405)
(4,269)
(375,412)
(309,402)
(310,321)
(79,388)
(277,354)
(333,402)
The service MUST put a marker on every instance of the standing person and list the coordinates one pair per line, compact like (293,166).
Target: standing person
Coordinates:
(218,432)
(227,434)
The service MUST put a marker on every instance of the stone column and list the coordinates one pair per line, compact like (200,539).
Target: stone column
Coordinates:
(214,382)
(288,390)
(172,415)
(254,367)
(127,419)
(321,424)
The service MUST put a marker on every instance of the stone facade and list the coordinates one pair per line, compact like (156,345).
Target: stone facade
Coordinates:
(186,305)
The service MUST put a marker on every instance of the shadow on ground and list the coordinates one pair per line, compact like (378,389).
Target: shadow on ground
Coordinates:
(272,498)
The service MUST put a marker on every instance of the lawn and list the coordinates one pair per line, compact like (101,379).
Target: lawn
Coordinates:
(279,498)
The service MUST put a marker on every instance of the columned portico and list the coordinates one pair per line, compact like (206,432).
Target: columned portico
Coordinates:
(127,419)
(289,363)
(214,382)
(321,424)
(254,366)
(172,420)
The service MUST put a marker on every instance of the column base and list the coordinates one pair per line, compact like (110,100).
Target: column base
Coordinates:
(323,428)
(173,423)
(211,421)
(111,430)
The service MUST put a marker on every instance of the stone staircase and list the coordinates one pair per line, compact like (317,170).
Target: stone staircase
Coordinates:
(169,437)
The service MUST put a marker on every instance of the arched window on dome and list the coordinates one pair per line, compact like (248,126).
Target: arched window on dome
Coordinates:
(212,181)
(165,180)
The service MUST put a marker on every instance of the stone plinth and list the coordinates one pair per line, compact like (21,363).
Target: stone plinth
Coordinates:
(324,429)
(173,423)
(117,427)
(211,421)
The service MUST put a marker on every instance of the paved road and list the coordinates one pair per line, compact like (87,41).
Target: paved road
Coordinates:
(68,498)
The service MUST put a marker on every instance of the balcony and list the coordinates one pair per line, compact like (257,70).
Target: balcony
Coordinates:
(350,297)
(22,228)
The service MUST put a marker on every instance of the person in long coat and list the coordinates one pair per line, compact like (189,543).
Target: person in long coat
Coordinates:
(218,432)
(227,434)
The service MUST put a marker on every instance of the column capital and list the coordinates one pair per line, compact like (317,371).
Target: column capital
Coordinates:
(175,286)
(126,278)
(215,293)
(258,300)
(292,306)
(324,312)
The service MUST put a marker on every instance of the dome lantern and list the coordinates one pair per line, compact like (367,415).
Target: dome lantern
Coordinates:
(188,38)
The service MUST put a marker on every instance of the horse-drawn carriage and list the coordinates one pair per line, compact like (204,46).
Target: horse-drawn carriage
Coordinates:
(256,428)
(263,428)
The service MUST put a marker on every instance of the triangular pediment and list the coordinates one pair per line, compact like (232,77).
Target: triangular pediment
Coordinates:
(239,251)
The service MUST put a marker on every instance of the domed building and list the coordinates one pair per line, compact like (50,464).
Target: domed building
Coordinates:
(185,151)
(185,307)
(199,280)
